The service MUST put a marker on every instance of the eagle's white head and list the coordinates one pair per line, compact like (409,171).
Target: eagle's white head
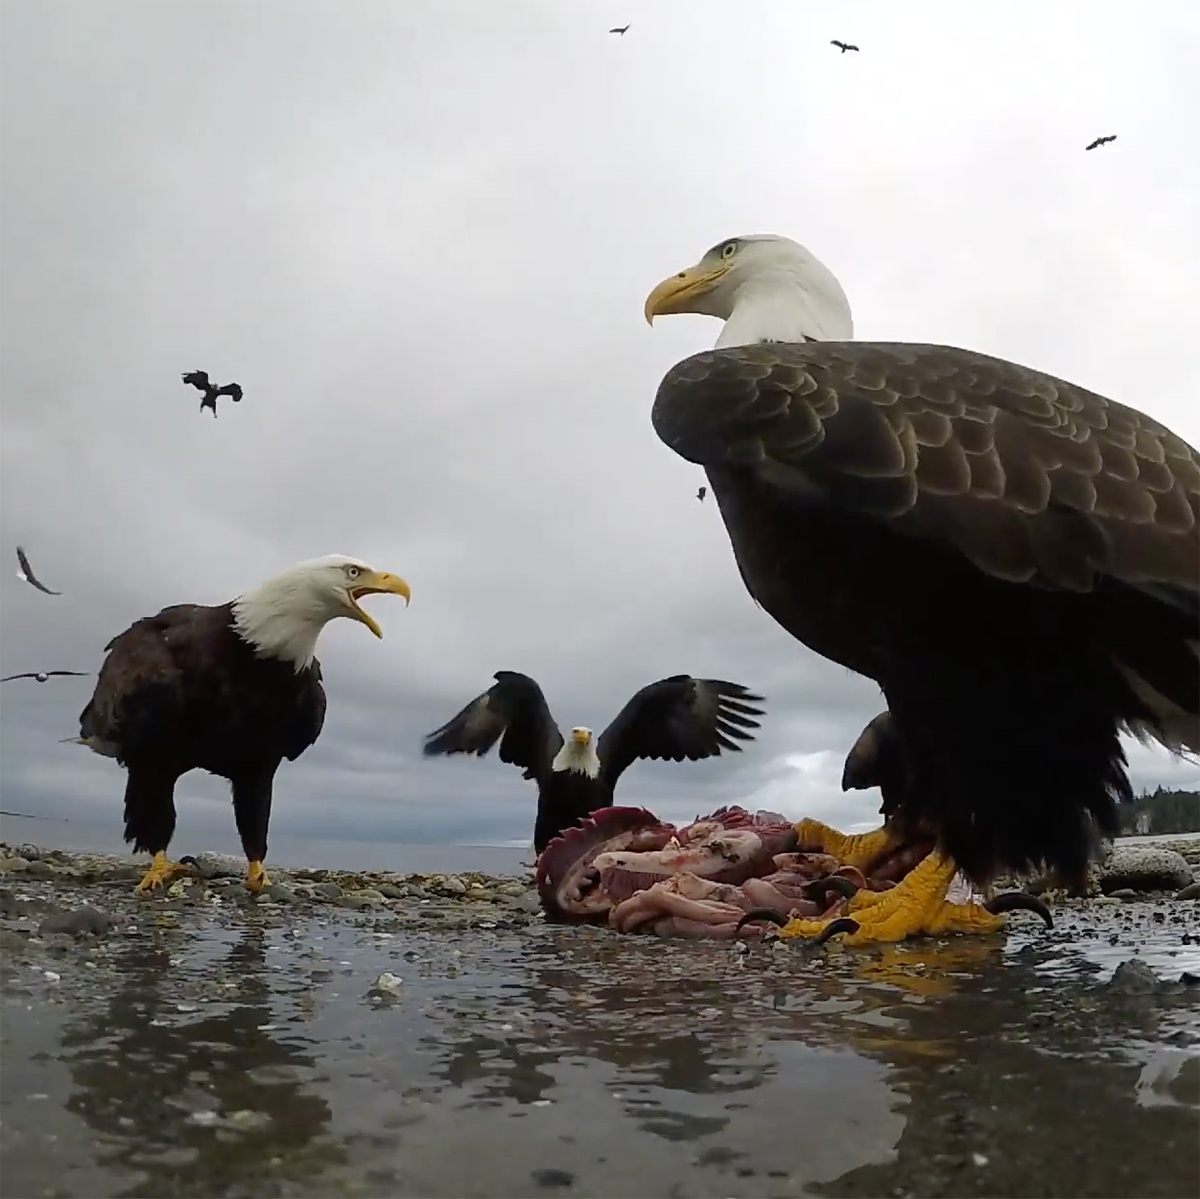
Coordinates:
(764,287)
(285,615)
(578,754)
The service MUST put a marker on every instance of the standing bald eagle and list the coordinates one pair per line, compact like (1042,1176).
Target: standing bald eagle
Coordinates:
(231,689)
(675,718)
(1013,559)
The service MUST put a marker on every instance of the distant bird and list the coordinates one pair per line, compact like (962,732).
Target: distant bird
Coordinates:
(232,689)
(1101,141)
(701,494)
(26,575)
(43,675)
(675,718)
(621,29)
(843,46)
(199,380)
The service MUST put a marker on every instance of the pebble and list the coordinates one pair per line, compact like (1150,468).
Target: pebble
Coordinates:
(1134,977)
(1191,891)
(453,885)
(86,921)
(279,893)
(328,891)
(387,984)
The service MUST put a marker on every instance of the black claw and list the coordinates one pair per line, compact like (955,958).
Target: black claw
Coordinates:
(819,888)
(774,915)
(1018,901)
(188,860)
(843,924)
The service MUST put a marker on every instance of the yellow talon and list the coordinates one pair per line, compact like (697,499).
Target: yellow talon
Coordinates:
(160,873)
(256,878)
(915,907)
(858,849)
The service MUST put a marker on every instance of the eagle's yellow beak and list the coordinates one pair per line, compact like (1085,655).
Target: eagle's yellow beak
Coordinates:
(581,736)
(673,293)
(375,583)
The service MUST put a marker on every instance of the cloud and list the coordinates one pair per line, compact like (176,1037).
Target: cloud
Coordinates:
(420,237)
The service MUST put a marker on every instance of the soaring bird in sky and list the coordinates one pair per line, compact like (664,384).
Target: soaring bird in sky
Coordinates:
(1013,559)
(676,718)
(26,575)
(701,494)
(843,46)
(232,689)
(621,29)
(43,675)
(1101,141)
(199,380)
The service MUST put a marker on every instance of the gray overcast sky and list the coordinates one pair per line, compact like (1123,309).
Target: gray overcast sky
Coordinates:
(420,235)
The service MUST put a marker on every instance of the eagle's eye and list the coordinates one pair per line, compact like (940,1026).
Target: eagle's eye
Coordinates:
(352,572)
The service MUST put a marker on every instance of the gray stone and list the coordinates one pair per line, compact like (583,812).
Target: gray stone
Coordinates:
(453,885)
(1134,977)
(391,891)
(1144,868)
(279,893)
(86,922)
(328,891)
(1191,891)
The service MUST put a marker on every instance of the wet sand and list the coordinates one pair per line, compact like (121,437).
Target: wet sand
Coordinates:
(211,1045)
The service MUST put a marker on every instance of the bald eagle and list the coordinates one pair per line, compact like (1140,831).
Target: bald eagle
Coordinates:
(232,689)
(676,718)
(1013,559)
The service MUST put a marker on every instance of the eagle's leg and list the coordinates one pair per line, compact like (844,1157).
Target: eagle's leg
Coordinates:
(160,873)
(914,907)
(859,849)
(252,810)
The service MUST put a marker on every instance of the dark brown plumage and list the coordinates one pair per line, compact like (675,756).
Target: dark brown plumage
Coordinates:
(26,573)
(182,691)
(1101,141)
(199,379)
(1013,559)
(677,718)
(843,46)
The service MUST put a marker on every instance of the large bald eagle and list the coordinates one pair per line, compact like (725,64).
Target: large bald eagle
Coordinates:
(676,718)
(231,689)
(1013,559)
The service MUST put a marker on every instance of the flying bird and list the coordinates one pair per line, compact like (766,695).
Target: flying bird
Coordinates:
(1101,141)
(26,575)
(199,380)
(1013,559)
(43,675)
(621,29)
(676,718)
(232,689)
(701,494)
(843,46)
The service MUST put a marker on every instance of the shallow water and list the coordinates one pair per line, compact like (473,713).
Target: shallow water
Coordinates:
(236,1052)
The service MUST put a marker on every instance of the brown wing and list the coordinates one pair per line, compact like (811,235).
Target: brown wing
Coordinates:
(1033,479)
(513,707)
(676,718)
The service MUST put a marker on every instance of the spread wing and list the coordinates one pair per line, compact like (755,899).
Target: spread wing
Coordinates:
(1031,478)
(30,577)
(76,673)
(29,674)
(197,379)
(676,718)
(232,390)
(515,708)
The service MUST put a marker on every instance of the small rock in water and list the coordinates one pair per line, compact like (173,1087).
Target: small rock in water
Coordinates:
(85,922)
(387,984)
(1191,891)
(279,893)
(1134,977)
(391,891)
(553,1178)
(328,891)
(1128,894)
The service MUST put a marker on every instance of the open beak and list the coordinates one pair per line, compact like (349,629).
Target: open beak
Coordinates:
(376,583)
(674,292)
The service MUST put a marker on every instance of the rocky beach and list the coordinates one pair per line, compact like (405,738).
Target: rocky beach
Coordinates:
(377,1033)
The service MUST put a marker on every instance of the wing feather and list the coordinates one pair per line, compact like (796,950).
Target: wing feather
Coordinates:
(1031,478)
(514,709)
(676,718)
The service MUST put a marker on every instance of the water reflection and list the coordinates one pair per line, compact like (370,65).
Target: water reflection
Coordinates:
(165,1088)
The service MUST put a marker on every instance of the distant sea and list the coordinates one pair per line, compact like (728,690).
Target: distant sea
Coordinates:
(405,858)
(317,852)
